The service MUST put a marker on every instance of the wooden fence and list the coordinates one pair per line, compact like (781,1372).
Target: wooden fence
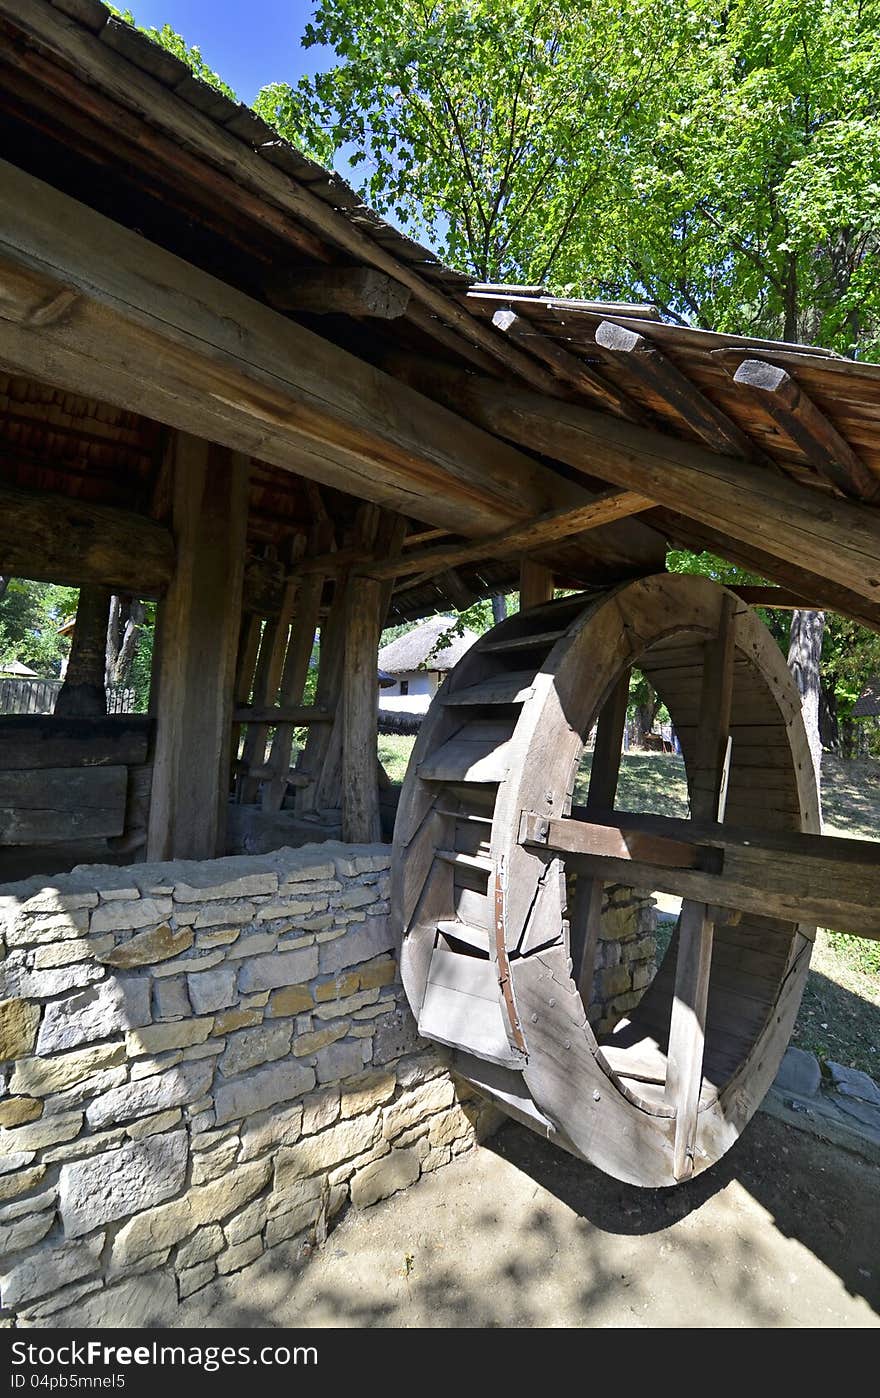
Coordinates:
(38,697)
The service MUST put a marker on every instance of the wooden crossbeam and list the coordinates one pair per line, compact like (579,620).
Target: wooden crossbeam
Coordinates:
(300,715)
(60,539)
(156,335)
(544,530)
(757,595)
(647,365)
(350,291)
(823,879)
(772,515)
(808,427)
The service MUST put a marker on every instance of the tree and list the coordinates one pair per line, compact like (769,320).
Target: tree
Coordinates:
(30,614)
(485,126)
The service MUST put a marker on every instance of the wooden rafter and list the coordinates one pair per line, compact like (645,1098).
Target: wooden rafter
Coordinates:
(735,498)
(546,529)
(794,411)
(570,371)
(158,336)
(643,363)
(350,291)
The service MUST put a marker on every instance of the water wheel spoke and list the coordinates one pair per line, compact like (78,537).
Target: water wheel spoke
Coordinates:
(687,1028)
(586,915)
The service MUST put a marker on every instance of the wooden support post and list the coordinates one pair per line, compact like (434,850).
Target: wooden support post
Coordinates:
(535,584)
(586,918)
(360,788)
(83,693)
(293,680)
(198,636)
(687,1029)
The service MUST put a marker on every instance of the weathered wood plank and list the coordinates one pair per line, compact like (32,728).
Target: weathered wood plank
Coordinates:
(61,803)
(799,877)
(736,498)
(300,715)
(535,584)
(348,291)
(156,335)
(360,704)
(29,741)
(197,641)
(586,914)
(56,539)
(646,364)
(794,411)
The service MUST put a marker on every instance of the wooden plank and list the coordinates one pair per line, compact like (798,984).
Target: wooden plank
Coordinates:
(54,538)
(535,584)
(820,879)
(514,687)
(197,641)
(269,715)
(571,371)
(607,841)
(545,530)
(347,291)
(463,760)
(360,791)
(647,365)
(739,500)
(61,803)
(794,411)
(293,680)
(154,334)
(29,741)
(534,640)
(757,595)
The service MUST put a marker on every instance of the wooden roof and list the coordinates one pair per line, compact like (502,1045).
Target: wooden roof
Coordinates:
(94,108)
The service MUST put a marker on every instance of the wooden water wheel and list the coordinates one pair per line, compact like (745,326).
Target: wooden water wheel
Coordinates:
(492,957)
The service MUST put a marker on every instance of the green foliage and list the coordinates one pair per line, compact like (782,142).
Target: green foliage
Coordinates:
(175,43)
(30,614)
(722,159)
(486,125)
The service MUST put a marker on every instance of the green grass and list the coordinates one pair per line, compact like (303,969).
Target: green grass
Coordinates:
(840,1012)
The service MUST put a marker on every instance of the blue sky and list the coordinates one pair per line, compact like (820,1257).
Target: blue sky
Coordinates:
(249,44)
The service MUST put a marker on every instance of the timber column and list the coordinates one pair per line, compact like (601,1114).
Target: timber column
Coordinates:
(197,641)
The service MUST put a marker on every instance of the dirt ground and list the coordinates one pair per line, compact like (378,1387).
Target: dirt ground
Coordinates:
(784,1232)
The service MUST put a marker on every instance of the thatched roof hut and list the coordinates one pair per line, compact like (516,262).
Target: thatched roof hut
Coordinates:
(424,648)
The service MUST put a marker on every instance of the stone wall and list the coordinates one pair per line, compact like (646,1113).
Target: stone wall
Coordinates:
(200,1060)
(626,954)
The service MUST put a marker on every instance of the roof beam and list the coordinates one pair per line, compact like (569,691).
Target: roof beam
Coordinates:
(143,329)
(568,368)
(646,365)
(348,291)
(797,580)
(806,425)
(737,499)
(546,529)
(59,539)
(88,64)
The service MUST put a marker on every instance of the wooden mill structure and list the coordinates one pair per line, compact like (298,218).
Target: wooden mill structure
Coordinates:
(228,386)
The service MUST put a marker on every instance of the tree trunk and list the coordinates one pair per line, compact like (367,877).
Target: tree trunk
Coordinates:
(829,718)
(83,694)
(499,607)
(126,619)
(804,655)
(4,583)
